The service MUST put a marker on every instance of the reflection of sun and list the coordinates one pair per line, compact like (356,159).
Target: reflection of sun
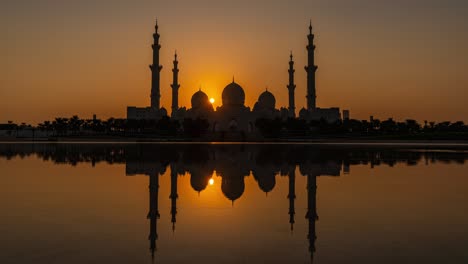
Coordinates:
(212,100)
(211,181)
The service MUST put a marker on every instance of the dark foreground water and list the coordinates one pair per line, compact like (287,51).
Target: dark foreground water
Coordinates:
(161,203)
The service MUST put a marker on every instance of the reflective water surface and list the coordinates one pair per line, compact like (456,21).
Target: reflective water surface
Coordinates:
(209,203)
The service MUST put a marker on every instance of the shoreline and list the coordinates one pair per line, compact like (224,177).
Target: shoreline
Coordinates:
(423,143)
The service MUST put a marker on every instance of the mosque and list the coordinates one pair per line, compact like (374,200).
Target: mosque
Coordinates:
(234,116)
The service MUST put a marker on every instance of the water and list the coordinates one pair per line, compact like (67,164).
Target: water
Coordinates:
(202,203)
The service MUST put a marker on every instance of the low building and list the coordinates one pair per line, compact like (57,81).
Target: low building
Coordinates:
(147,113)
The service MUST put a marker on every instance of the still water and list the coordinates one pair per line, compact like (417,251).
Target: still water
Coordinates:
(208,203)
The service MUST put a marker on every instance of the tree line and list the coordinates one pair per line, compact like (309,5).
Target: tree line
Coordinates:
(269,128)
(352,127)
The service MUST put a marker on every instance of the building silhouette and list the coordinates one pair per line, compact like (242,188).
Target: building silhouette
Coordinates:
(243,162)
(154,111)
(291,87)
(153,214)
(175,85)
(312,112)
(292,196)
(173,196)
(233,117)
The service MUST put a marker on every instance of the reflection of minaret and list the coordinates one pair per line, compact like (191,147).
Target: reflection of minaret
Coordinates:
(291,87)
(175,86)
(311,211)
(292,196)
(173,196)
(155,71)
(153,214)
(311,69)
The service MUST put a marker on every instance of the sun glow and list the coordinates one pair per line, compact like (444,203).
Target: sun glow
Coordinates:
(212,100)
(211,181)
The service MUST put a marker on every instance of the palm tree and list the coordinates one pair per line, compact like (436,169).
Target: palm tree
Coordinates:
(74,124)
(60,125)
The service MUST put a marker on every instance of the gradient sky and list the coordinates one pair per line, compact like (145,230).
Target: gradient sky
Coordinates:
(401,58)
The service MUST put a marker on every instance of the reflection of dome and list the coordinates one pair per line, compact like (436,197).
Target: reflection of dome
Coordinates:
(199,99)
(199,181)
(266,180)
(233,187)
(267,100)
(233,94)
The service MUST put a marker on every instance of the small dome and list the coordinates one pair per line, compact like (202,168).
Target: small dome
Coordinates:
(163,111)
(233,94)
(199,99)
(267,100)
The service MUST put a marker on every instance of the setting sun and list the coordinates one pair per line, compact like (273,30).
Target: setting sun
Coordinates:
(211,181)
(212,100)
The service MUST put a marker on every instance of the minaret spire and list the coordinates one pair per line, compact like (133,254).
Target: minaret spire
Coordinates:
(155,71)
(292,196)
(311,215)
(175,86)
(173,196)
(153,213)
(311,69)
(291,87)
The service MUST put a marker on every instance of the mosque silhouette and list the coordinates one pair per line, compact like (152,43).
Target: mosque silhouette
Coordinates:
(233,117)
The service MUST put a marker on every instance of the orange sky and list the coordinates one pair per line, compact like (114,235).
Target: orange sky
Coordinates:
(398,59)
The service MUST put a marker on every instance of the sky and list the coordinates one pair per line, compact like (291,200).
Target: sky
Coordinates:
(401,59)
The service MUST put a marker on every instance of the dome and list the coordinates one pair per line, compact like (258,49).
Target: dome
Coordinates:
(199,99)
(233,94)
(267,100)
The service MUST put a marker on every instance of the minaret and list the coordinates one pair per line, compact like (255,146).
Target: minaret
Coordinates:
(291,87)
(153,214)
(175,86)
(311,68)
(311,215)
(155,71)
(173,196)
(292,196)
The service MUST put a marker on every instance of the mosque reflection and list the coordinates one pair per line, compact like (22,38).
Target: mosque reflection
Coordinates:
(232,163)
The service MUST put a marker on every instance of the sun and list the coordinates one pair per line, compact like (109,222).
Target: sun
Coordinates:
(211,181)
(212,100)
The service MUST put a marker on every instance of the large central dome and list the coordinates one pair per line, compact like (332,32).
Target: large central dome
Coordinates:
(233,95)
